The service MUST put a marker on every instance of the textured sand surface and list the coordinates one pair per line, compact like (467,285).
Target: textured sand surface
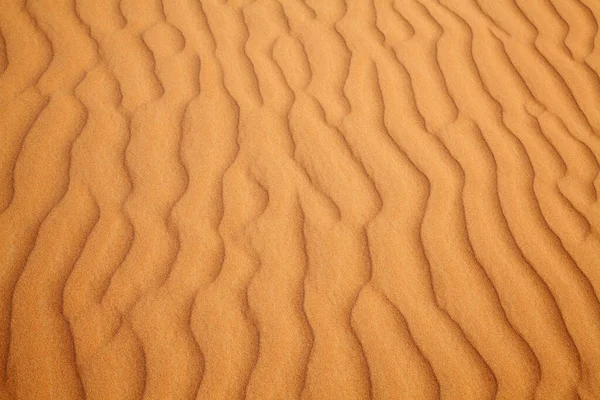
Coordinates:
(281,199)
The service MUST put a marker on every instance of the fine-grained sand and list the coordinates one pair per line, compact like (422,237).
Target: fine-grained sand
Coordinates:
(316,199)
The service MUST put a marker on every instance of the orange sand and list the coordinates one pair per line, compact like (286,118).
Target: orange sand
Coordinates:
(281,199)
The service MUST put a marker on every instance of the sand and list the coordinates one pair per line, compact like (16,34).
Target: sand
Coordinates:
(317,199)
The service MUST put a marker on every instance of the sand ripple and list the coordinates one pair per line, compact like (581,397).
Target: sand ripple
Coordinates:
(273,199)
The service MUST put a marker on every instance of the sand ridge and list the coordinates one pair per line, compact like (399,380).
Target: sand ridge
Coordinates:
(272,199)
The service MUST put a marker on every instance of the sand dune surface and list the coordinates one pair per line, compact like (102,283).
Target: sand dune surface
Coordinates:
(284,199)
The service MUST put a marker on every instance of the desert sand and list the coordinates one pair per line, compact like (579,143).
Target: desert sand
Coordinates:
(316,199)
